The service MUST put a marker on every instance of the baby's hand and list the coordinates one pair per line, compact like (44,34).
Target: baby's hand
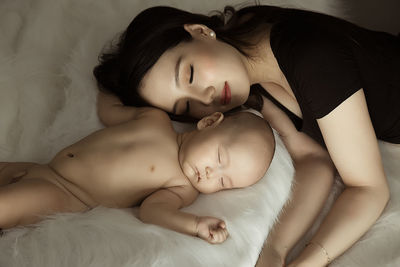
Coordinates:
(211,229)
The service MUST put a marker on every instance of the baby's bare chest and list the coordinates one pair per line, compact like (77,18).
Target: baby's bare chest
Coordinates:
(120,166)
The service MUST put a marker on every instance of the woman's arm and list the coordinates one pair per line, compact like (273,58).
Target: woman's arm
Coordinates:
(312,183)
(352,144)
(111,111)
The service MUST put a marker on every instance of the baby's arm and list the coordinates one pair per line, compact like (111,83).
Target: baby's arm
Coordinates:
(162,208)
(111,111)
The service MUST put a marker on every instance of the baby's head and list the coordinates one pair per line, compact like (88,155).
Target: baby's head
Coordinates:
(227,151)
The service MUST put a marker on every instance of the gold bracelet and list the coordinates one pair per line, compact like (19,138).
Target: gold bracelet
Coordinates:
(323,249)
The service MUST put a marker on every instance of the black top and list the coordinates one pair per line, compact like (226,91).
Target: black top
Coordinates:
(326,60)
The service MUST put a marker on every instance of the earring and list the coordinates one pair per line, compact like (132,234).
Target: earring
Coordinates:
(212,34)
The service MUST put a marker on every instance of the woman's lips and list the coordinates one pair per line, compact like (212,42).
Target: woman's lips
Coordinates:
(226,95)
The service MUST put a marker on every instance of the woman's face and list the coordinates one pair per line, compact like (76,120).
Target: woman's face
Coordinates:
(197,78)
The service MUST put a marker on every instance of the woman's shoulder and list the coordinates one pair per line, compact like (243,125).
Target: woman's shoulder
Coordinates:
(313,56)
(305,43)
(310,29)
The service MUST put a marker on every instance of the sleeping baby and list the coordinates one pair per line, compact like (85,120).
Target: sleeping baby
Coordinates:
(143,162)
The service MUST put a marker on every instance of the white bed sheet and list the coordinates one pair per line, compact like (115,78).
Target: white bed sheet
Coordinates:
(47,101)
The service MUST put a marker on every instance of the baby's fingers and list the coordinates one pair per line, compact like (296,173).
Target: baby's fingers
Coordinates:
(218,236)
(226,233)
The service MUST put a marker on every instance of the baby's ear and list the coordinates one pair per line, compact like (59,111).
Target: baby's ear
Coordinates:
(210,121)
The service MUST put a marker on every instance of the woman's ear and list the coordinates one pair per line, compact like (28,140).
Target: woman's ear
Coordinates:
(210,121)
(199,30)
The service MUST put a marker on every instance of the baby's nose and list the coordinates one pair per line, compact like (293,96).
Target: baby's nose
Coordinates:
(211,173)
(208,172)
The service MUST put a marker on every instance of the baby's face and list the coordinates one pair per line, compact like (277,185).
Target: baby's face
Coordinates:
(231,154)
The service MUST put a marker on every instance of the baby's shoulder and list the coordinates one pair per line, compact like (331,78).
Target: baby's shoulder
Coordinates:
(153,120)
(153,113)
(186,192)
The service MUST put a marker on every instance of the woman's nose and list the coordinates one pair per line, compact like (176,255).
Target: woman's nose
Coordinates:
(205,96)
(208,95)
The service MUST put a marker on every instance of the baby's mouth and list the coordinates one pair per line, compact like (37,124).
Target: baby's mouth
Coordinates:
(198,175)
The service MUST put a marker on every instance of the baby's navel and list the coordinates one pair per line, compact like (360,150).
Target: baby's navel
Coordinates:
(70,155)
(152,168)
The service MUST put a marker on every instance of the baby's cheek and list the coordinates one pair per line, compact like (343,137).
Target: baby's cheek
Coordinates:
(187,170)
(206,191)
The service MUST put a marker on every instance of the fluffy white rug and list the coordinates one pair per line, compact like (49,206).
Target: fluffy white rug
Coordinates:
(48,49)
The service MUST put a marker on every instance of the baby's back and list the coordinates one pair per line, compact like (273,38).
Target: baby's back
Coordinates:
(121,165)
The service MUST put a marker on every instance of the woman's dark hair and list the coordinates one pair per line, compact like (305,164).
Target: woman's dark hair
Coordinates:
(157,29)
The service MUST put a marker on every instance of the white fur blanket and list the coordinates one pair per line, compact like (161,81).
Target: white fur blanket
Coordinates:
(48,49)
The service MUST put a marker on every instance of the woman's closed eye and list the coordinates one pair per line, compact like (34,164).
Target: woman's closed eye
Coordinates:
(191,74)
(187,109)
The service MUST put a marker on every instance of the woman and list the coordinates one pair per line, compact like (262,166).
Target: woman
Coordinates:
(338,83)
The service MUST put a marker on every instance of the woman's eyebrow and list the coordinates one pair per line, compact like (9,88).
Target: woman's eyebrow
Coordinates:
(177,67)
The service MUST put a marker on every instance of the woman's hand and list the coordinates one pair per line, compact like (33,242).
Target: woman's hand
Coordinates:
(212,230)
(269,257)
